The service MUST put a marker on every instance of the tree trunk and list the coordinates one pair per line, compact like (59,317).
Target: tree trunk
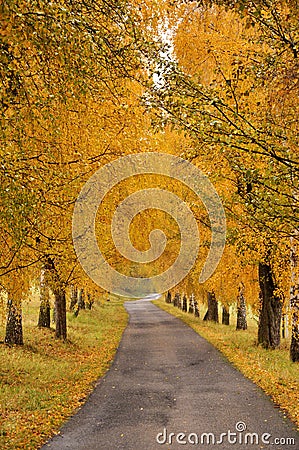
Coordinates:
(180,302)
(212,313)
(90,301)
(294,300)
(191,304)
(284,326)
(58,290)
(184,303)
(54,313)
(60,316)
(196,310)
(241,309)
(14,329)
(225,315)
(168,297)
(294,349)
(81,301)
(74,297)
(271,309)
(44,308)
(176,299)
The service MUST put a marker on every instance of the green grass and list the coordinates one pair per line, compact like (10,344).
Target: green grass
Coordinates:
(43,382)
(272,370)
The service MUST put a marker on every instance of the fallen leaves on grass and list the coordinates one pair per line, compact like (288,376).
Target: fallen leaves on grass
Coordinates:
(44,382)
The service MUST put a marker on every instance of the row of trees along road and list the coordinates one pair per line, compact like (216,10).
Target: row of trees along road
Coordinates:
(68,81)
(72,73)
(231,83)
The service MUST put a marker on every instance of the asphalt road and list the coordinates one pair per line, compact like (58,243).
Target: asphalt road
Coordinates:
(167,379)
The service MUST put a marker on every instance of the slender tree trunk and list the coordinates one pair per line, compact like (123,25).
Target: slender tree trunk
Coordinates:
(54,313)
(168,297)
(271,309)
(81,301)
(176,299)
(180,302)
(90,301)
(212,313)
(294,349)
(60,308)
(44,308)
(241,309)
(191,304)
(74,297)
(14,328)
(184,307)
(294,300)
(196,309)
(285,324)
(225,315)
(58,290)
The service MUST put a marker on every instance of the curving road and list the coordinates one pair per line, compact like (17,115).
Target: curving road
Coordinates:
(170,389)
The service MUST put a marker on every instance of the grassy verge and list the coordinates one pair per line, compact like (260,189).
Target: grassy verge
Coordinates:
(44,382)
(272,370)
